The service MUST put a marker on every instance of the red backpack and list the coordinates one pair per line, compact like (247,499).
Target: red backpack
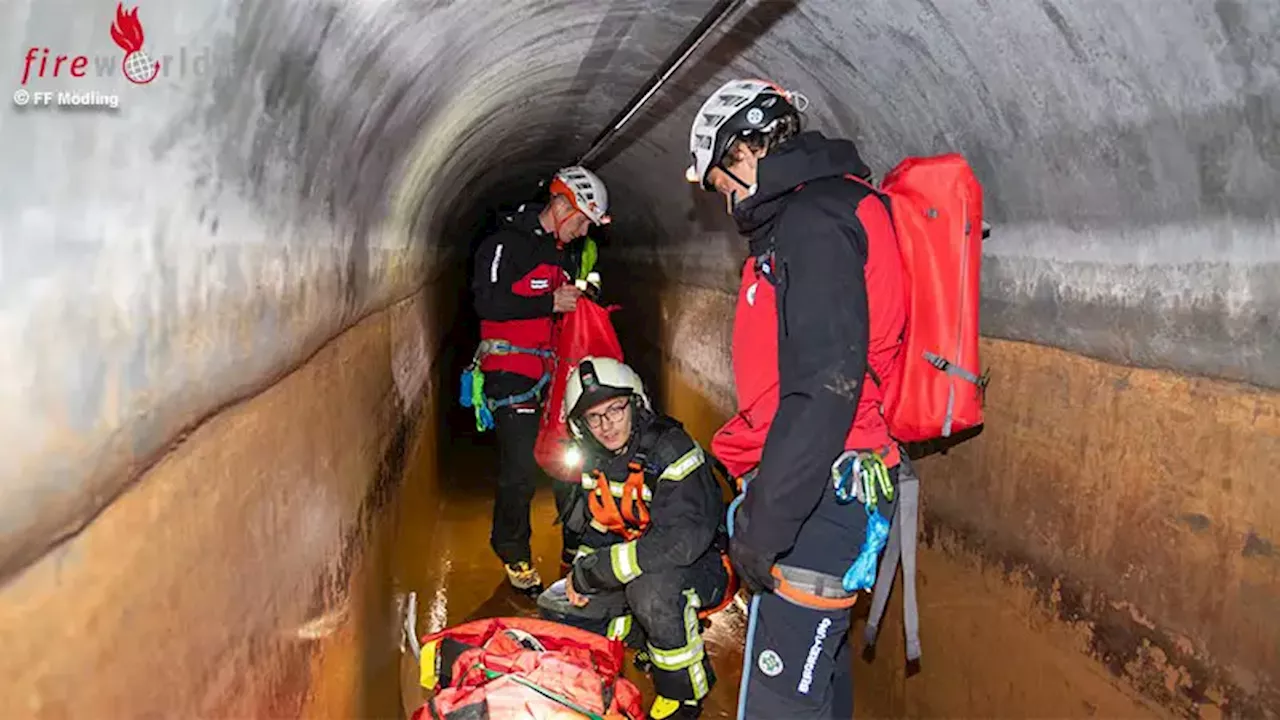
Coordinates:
(935,390)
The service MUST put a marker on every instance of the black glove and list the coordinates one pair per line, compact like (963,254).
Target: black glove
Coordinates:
(752,566)
(590,573)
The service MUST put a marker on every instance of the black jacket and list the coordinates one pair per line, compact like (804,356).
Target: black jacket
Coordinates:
(686,509)
(517,270)
(819,249)
(508,256)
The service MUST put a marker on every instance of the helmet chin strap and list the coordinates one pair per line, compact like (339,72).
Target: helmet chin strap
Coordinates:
(732,199)
(559,224)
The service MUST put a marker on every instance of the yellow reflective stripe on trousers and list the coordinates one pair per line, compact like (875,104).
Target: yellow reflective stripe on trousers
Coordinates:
(622,557)
(692,653)
(698,676)
(687,463)
(619,628)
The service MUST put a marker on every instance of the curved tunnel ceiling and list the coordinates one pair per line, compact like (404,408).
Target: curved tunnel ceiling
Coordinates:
(178,255)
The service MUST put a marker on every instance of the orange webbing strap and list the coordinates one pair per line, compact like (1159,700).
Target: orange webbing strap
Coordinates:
(634,510)
(604,508)
(730,589)
(805,599)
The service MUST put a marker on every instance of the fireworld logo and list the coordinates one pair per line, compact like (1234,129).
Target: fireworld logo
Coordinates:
(127,33)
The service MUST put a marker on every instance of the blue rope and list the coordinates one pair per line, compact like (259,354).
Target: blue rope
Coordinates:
(861,575)
(522,397)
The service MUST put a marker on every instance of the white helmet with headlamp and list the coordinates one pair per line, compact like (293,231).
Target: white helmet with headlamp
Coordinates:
(596,380)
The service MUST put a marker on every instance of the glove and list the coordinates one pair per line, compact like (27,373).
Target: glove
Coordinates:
(752,566)
(588,575)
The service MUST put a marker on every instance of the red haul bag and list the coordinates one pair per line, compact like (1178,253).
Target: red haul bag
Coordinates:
(585,332)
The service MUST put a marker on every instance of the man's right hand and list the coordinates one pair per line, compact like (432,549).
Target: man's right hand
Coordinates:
(566,299)
(576,598)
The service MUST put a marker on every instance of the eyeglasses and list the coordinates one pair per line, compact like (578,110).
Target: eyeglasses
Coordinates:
(613,413)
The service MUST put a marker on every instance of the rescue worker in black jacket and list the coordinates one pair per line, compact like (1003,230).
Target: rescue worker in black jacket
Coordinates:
(651,514)
(520,282)
(821,314)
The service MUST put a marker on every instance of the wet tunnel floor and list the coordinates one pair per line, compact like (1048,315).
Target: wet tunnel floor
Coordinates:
(990,650)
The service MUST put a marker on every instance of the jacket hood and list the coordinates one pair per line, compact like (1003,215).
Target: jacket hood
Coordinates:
(525,219)
(804,158)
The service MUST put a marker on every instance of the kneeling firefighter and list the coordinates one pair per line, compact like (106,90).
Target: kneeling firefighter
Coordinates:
(650,513)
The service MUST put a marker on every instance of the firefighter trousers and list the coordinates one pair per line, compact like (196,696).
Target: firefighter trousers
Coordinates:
(797,661)
(516,428)
(657,611)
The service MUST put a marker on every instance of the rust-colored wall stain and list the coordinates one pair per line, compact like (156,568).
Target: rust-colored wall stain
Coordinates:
(247,573)
(1145,503)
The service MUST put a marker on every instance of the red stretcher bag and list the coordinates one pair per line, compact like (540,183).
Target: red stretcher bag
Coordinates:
(524,669)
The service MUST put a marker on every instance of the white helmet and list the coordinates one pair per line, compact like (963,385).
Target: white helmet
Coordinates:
(596,380)
(738,109)
(585,190)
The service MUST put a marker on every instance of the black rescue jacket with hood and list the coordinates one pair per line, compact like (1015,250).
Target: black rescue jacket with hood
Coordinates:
(819,250)
(684,501)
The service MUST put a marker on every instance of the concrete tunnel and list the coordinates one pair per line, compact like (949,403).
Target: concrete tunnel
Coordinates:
(233,311)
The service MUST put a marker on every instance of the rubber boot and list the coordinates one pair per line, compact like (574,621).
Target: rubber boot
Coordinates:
(664,708)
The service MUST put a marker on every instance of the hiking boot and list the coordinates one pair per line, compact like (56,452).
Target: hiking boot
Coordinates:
(667,709)
(524,578)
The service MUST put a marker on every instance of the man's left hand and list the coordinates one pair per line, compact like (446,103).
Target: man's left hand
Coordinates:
(754,567)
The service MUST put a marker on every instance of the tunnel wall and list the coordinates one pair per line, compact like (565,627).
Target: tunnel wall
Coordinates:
(188,251)
(1129,153)
(1129,156)
(250,571)
(221,311)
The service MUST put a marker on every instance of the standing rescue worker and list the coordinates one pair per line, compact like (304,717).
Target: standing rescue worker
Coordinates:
(650,516)
(820,315)
(520,283)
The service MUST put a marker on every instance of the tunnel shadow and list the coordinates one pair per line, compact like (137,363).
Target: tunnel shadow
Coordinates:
(757,21)
(638,320)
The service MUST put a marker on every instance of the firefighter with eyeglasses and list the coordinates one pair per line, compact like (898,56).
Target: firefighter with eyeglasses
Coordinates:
(650,513)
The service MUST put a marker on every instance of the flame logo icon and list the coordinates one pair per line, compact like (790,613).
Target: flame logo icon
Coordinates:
(127,32)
